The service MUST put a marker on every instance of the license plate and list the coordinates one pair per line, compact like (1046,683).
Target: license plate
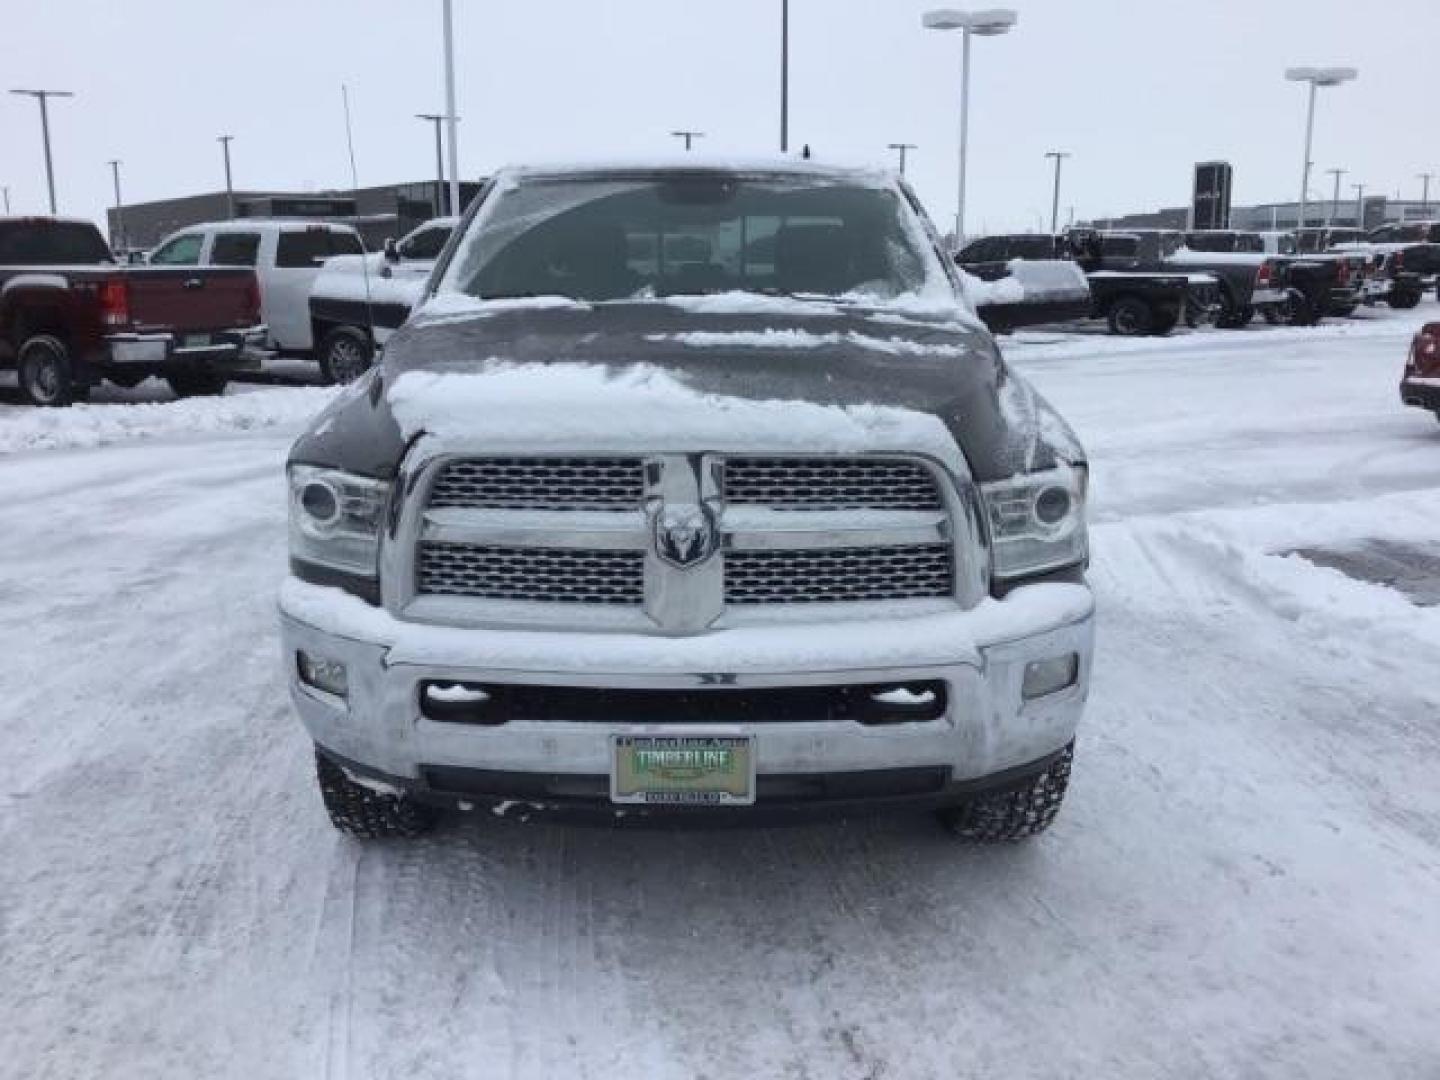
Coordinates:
(682,770)
(193,340)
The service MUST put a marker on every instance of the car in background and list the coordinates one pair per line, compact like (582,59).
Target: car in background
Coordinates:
(71,315)
(1131,302)
(415,253)
(1245,285)
(1228,240)
(1312,239)
(1420,384)
(286,256)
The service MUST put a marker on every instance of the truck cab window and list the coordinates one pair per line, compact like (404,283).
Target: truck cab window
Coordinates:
(182,251)
(235,249)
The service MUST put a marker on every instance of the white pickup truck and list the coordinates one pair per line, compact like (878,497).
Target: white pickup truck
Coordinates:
(286,257)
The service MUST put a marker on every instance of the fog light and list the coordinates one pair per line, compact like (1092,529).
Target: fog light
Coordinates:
(1050,676)
(322,673)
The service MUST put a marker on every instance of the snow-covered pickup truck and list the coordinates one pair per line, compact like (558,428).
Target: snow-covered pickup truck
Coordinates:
(70,316)
(607,533)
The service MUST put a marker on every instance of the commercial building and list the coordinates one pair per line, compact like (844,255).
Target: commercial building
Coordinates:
(1378,210)
(378,212)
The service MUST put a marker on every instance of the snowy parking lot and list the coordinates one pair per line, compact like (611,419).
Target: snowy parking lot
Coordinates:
(1243,882)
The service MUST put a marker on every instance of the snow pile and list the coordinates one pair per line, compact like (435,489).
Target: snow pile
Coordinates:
(101,425)
(1028,281)
(525,406)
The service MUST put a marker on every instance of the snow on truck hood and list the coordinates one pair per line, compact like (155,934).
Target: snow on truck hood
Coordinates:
(649,377)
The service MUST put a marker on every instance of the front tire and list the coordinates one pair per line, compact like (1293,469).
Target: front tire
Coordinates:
(345,355)
(1130,317)
(1016,814)
(367,813)
(47,377)
(197,384)
(1404,300)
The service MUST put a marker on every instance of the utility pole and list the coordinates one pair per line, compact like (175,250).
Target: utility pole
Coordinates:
(784,77)
(450,117)
(1425,178)
(118,240)
(1059,156)
(437,119)
(6,191)
(903,147)
(42,96)
(1335,198)
(688,136)
(224,141)
(1359,205)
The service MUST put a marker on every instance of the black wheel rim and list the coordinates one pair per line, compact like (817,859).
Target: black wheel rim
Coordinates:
(347,360)
(1127,320)
(43,374)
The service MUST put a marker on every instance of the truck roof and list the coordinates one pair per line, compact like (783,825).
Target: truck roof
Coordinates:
(689,162)
(260,224)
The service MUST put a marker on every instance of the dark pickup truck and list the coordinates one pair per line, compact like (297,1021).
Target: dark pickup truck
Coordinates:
(70,316)
(1404,262)
(1247,285)
(1132,302)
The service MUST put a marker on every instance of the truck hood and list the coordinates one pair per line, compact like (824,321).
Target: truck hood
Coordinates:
(707,374)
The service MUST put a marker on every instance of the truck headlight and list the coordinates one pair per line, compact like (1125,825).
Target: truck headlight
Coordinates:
(335,518)
(1037,521)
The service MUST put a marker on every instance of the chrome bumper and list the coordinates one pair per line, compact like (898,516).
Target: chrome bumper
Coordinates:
(980,654)
(240,349)
(1261,297)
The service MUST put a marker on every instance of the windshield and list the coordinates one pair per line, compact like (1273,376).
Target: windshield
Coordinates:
(694,234)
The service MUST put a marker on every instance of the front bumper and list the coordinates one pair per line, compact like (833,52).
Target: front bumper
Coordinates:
(239,349)
(986,732)
(1421,392)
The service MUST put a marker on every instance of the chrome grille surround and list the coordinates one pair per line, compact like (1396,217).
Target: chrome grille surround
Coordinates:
(931,558)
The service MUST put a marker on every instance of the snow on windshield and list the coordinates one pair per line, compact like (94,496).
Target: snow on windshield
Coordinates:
(605,238)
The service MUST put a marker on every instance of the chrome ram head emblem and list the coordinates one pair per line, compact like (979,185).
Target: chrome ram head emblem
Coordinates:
(685,535)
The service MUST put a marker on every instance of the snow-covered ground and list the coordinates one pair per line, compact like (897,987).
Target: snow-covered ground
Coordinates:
(1244,881)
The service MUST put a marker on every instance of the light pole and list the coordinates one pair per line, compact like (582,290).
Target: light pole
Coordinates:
(1335,198)
(784,76)
(437,119)
(1316,77)
(42,96)
(903,147)
(6,191)
(1359,205)
(990,23)
(1425,178)
(118,240)
(688,136)
(224,141)
(450,118)
(1059,156)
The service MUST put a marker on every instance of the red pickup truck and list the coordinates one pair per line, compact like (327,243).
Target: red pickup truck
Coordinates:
(1420,384)
(70,316)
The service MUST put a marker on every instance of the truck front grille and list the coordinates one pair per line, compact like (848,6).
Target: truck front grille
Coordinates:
(548,575)
(588,530)
(869,573)
(830,484)
(540,484)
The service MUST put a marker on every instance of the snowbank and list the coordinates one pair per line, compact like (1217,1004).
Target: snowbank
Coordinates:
(99,425)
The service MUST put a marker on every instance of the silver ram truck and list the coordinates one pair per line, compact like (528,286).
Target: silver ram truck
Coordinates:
(690,494)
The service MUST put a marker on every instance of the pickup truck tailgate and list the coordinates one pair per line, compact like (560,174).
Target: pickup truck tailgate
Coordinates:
(192,298)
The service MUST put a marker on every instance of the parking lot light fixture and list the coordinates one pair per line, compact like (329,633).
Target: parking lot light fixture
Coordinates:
(688,136)
(1316,77)
(904,148)
(1425,178)
(43,97)
(1059,156)
(989,23)
(224,141)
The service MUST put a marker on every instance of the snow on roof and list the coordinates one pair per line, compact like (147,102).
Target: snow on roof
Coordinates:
(262,224)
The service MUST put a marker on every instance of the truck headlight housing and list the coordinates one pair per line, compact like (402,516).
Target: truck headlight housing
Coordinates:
(1037,521)
(336,518)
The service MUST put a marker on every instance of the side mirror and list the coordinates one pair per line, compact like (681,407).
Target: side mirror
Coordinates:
(392,250)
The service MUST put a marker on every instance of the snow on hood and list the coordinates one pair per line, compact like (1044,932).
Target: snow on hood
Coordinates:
(640,407)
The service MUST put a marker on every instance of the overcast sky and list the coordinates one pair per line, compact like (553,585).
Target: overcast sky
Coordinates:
(1137,90)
